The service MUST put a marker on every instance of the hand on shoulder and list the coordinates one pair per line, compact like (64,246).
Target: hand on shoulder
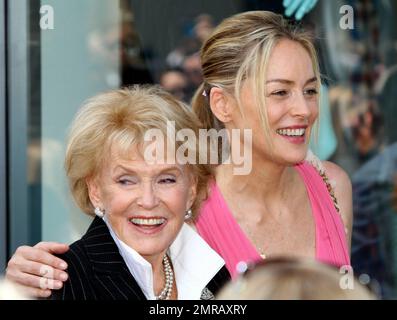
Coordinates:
(37,270)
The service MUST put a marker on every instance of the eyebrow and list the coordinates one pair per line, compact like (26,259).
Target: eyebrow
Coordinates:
(163,170)
(285,81)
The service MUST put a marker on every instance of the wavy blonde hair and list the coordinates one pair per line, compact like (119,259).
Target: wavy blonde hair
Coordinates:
(121,118)
(239,49)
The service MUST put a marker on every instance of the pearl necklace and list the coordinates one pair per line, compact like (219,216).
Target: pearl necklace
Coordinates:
(165,294)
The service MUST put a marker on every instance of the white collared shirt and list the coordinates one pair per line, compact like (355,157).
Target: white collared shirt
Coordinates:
(194,262)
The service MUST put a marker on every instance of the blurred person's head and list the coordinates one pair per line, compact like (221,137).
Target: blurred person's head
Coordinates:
(175,82)
(293,279)
(367,128)
(203,27)
(192,69)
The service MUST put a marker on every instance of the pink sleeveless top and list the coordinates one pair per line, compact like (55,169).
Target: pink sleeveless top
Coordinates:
(217,225)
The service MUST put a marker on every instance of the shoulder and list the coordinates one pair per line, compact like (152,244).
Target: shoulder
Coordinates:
(338,179)
(77,287)
(337,175)
(342,186)
(76,254)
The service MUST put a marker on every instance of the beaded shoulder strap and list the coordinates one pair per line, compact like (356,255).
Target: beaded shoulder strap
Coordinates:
(316,163)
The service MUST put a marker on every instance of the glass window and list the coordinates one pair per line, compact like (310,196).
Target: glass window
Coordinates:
(80,57)
(3,134)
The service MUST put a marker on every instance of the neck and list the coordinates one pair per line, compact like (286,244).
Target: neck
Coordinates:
(266,181)
(158,271)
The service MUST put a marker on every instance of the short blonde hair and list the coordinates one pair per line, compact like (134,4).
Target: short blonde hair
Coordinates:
(239,49)
(121,118)
(293,279)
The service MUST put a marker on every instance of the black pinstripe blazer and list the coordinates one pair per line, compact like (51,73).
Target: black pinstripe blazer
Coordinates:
(98,272)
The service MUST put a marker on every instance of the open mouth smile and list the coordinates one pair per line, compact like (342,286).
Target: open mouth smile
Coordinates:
(148,225)
(296,135)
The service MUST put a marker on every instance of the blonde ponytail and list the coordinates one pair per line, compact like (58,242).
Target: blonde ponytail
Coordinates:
(201,107)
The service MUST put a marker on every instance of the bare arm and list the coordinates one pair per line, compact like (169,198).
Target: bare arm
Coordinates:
(343,193)
(37,270)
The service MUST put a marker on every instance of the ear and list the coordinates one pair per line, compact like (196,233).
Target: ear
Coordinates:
(94,191)
(192,192)
(221,104)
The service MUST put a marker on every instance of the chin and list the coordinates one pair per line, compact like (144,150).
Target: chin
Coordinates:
(300,157)
(149,249)
(292,158)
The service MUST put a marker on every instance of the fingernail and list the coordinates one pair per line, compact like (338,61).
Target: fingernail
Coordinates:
(47,293)
(64,276)
(58,285)
(63,265)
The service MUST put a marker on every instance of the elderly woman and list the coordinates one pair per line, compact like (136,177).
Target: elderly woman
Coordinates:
(138,246)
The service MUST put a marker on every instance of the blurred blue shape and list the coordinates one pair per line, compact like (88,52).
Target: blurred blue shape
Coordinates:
(324,145)
(299,7)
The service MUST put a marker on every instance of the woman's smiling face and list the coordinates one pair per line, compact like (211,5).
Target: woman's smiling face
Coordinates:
(291,104)
(144,203)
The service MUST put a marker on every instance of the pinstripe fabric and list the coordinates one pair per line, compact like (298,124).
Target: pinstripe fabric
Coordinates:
(98,272)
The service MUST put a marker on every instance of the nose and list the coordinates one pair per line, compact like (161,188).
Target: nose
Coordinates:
(302,107)
(147,198)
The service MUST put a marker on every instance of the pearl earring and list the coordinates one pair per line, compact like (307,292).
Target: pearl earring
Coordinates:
(188,214)
(99,212)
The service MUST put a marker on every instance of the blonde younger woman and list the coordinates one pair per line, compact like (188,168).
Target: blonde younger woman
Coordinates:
(262,74)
